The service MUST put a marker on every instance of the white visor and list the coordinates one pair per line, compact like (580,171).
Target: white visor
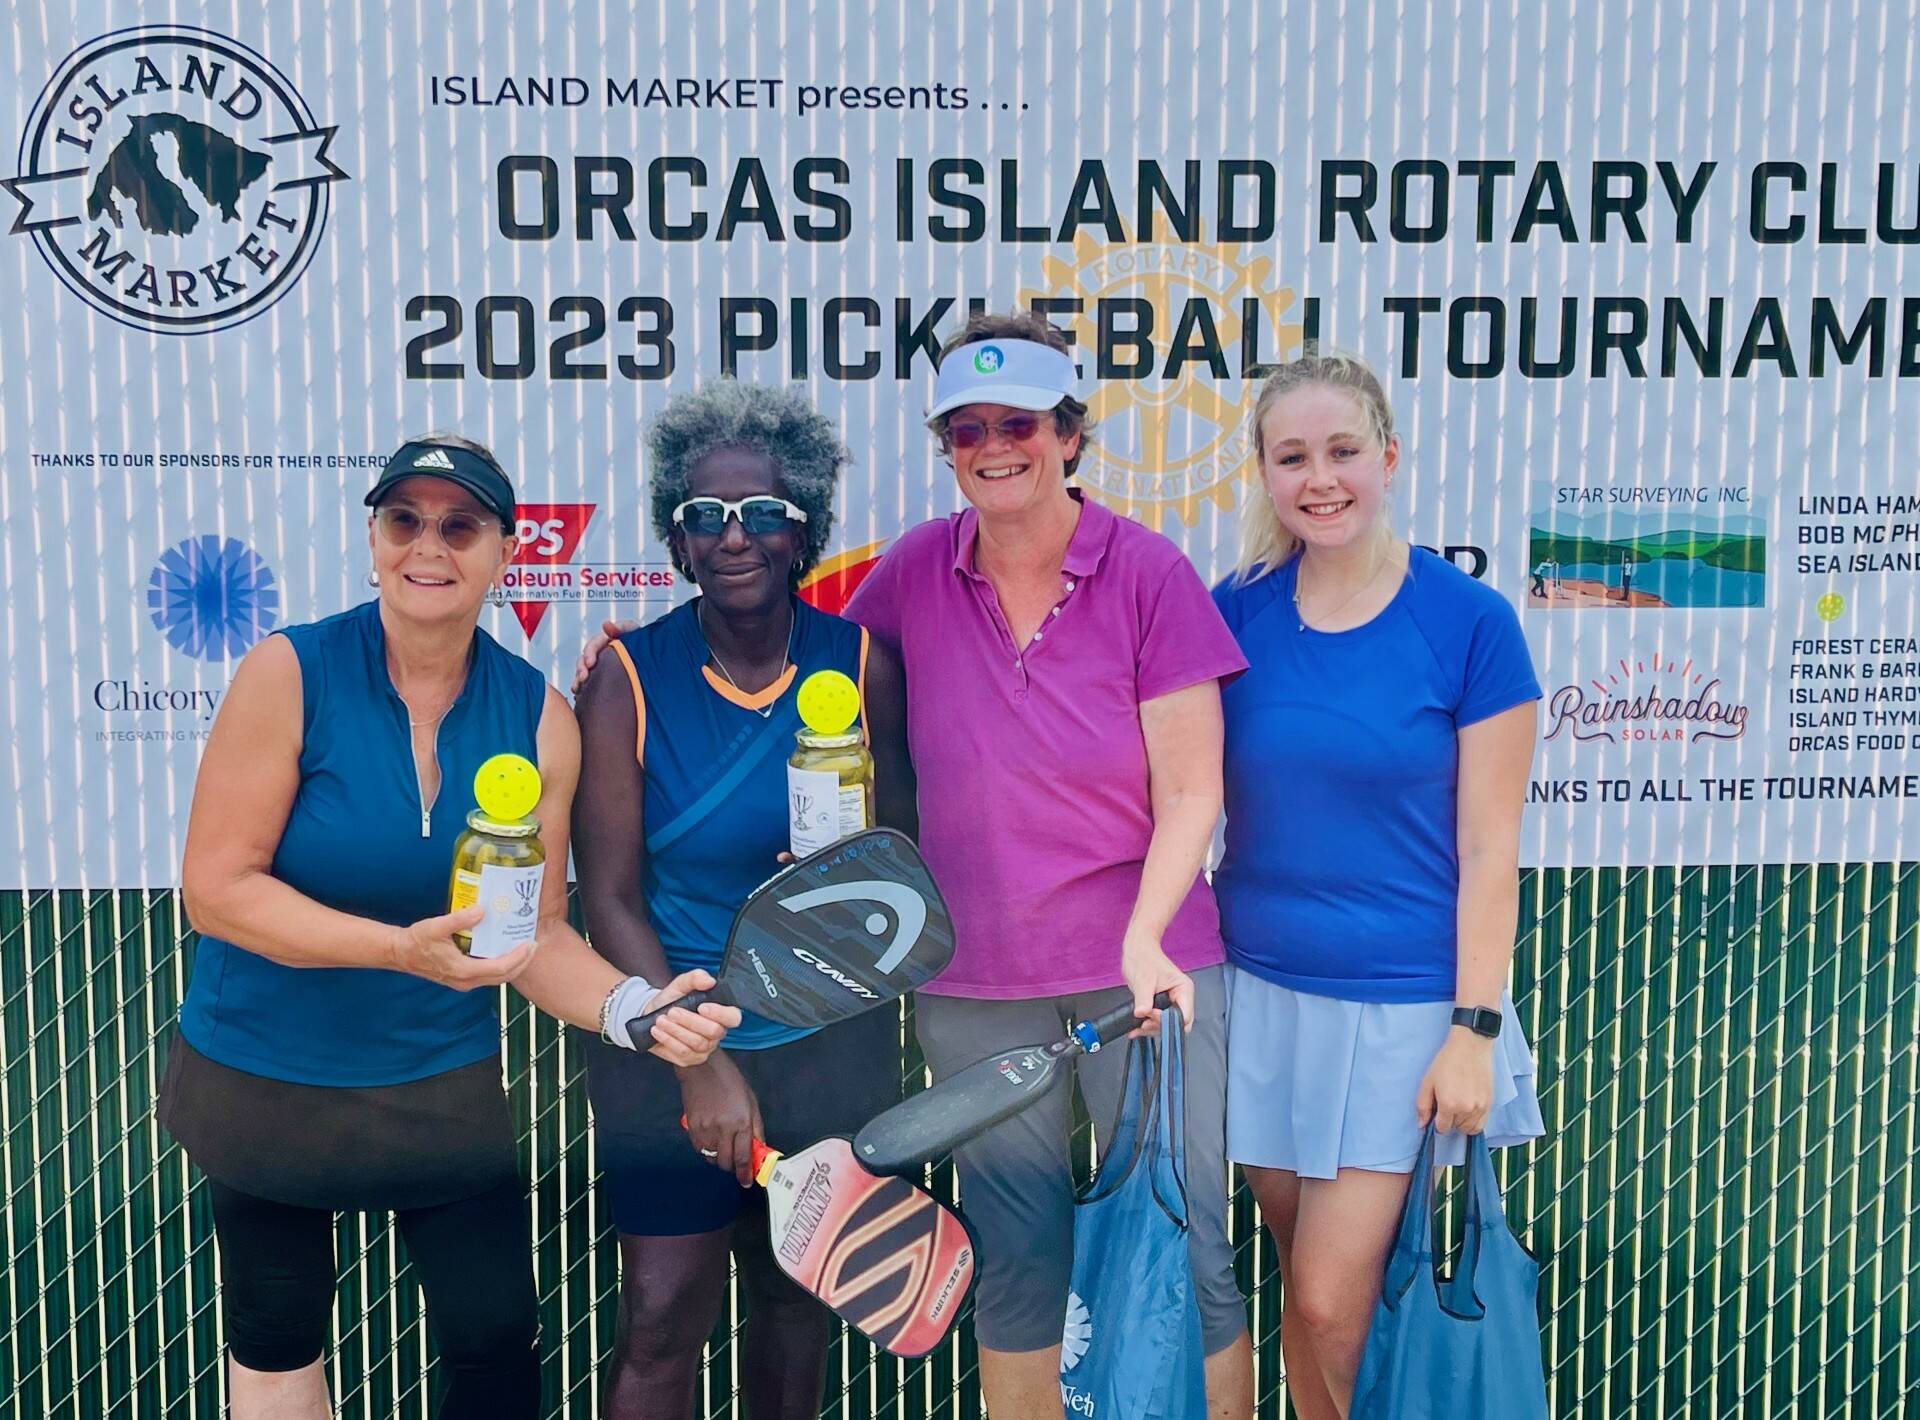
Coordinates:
(1023,374)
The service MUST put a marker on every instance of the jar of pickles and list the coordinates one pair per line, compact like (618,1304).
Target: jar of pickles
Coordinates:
(499,862)
(830,773)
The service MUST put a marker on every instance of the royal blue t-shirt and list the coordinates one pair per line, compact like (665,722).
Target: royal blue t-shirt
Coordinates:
(1341,875)
(357,839)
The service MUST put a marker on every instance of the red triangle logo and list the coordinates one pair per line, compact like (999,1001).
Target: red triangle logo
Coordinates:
(549,534)
(530,614)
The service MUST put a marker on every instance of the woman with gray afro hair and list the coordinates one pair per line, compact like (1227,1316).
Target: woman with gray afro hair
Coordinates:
(685,728)
(725,414)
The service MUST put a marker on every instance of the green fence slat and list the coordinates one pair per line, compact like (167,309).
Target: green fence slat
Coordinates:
(1725,1207)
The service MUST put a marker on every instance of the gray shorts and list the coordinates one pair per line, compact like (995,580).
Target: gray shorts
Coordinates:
(1016,1180)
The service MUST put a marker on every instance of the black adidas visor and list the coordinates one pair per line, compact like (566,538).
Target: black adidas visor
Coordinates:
(425,459)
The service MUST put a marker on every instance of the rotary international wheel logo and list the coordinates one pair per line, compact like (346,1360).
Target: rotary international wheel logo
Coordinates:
(173,179)
(1178,435)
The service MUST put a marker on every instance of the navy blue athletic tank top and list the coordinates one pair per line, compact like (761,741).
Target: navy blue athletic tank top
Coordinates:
(358,839)
(716,780)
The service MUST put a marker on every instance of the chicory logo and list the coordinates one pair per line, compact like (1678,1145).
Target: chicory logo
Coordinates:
(988,359)
(212,597)
(1647,700)
(173,179)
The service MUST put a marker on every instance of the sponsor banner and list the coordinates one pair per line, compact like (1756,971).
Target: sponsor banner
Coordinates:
(1652,375)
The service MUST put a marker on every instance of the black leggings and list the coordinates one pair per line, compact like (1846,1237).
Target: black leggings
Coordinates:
(474,1261)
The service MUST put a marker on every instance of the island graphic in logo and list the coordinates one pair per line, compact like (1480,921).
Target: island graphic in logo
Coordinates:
(212,597)
(1633,546)
(173,179)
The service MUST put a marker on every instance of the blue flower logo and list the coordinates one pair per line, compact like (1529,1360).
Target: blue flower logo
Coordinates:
(988,359)
(212,596)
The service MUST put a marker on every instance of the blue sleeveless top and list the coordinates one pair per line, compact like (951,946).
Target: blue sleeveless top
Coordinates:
(716,781)
(358,839)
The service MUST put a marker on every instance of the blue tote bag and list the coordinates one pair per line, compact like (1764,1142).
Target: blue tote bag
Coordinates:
(1132,1349)
(1467,1348)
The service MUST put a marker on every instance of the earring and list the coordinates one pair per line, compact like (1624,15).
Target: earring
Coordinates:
(373,579)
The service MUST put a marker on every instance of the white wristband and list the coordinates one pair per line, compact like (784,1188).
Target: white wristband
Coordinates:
(626,1002)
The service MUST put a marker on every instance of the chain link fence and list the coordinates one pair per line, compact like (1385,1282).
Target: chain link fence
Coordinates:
(1725,1206)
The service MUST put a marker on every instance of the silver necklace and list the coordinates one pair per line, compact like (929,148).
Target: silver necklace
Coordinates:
(786,658)
(1301,617)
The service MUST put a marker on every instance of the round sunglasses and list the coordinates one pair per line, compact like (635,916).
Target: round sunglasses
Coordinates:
(759,515)
(401,525)
(971,433)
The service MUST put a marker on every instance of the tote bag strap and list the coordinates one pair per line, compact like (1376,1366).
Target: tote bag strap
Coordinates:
(1486,1214)
(1126,1142)
(1170,1132)
(1412,1255)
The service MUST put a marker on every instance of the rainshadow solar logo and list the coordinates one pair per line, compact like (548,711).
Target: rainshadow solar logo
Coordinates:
(212,597)
(173,179)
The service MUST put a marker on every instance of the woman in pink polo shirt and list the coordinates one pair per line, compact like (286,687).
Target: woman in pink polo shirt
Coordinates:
(1063,670)
(1063,711)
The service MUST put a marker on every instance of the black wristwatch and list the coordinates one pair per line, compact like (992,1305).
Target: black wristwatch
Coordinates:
(1481,1020)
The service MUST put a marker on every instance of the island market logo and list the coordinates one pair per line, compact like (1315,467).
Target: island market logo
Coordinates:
(1646,700)
(1175,432)
(212,597)
(173,179)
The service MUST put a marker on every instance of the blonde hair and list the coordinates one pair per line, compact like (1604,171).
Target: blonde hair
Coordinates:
(1264,542)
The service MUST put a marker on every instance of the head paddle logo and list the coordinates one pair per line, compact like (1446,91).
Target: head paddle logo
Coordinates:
(212,597)
(173,179)
(909,910)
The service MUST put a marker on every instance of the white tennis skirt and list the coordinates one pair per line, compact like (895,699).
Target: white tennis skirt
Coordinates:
(1315,1084)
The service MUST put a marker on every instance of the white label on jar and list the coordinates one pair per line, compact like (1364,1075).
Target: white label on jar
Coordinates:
(853,811)
(813,810)
(512,899)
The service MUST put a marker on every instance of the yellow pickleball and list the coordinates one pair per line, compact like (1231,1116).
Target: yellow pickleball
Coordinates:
(507,787)
(1829,607)
(829,702)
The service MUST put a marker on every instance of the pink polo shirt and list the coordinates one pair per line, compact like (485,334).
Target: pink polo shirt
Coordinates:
(1034,807)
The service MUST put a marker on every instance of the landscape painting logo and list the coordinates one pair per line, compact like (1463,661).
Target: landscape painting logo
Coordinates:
(1640,547)
(173,179)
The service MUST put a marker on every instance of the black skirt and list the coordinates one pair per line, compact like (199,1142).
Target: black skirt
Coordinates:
(361,1148)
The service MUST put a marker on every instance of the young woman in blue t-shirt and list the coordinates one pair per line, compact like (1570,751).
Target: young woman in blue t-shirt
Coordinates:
(1377,752)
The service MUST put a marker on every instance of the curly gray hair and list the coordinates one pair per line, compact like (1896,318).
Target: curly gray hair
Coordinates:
(773,420)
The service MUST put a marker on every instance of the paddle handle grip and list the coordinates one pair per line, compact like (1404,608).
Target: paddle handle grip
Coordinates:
(640,1028)
(1115,1024)
(765,1156)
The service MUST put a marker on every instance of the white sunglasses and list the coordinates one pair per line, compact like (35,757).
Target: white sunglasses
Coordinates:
(763,513)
